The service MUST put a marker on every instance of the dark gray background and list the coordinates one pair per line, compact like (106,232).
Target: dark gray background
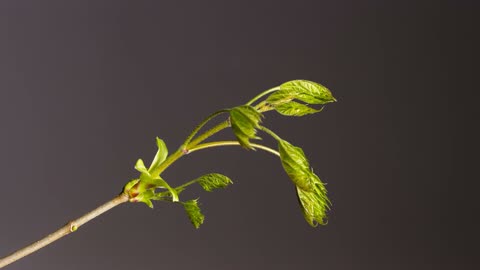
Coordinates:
(86,86)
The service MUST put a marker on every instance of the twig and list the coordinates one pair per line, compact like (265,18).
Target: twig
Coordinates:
(70,227)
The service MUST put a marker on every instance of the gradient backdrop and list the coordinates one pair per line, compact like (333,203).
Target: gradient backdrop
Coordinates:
(85,86)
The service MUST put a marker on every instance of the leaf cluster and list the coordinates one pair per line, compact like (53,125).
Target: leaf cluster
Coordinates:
(144,189)
(208,182)
(293,98)
(287,99)
(311,191)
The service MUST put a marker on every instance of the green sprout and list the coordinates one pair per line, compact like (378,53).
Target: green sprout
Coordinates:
(293,98)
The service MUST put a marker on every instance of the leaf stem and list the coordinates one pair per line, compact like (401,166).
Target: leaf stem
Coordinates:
(70,227)
(187,146)
(228,143)
(185,149)
(208,134)
(164,165)
(195,131)
(263,106)
(263,94)
(271,133)
(184,185)
(221,143)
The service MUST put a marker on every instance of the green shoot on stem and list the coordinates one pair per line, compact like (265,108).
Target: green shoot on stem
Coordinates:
(293,98)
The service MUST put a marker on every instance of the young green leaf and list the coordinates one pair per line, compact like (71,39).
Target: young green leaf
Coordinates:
(212,181)
(293,108)
(160,156)
(314,203)
(308,92)
(140,166)
(193,211)
(281,97)
(245,120)
(296,165)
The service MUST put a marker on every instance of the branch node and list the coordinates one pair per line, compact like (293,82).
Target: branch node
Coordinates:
(73,227)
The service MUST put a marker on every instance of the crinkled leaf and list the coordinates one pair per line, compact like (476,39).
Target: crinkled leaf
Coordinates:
(213,181)
(140,166)
(293,108)
(160,156)
(296,165)
(245,120)
(314,203)
(193,211)
(308,91)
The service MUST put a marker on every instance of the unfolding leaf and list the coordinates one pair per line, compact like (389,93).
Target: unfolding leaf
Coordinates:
(293,108)
(296,165)
(280,97)
(159,182)
(213,181)
(146,197)
(140,166)
(193,211)
(161,154)
(245,120)
(314,203)
(308,91)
